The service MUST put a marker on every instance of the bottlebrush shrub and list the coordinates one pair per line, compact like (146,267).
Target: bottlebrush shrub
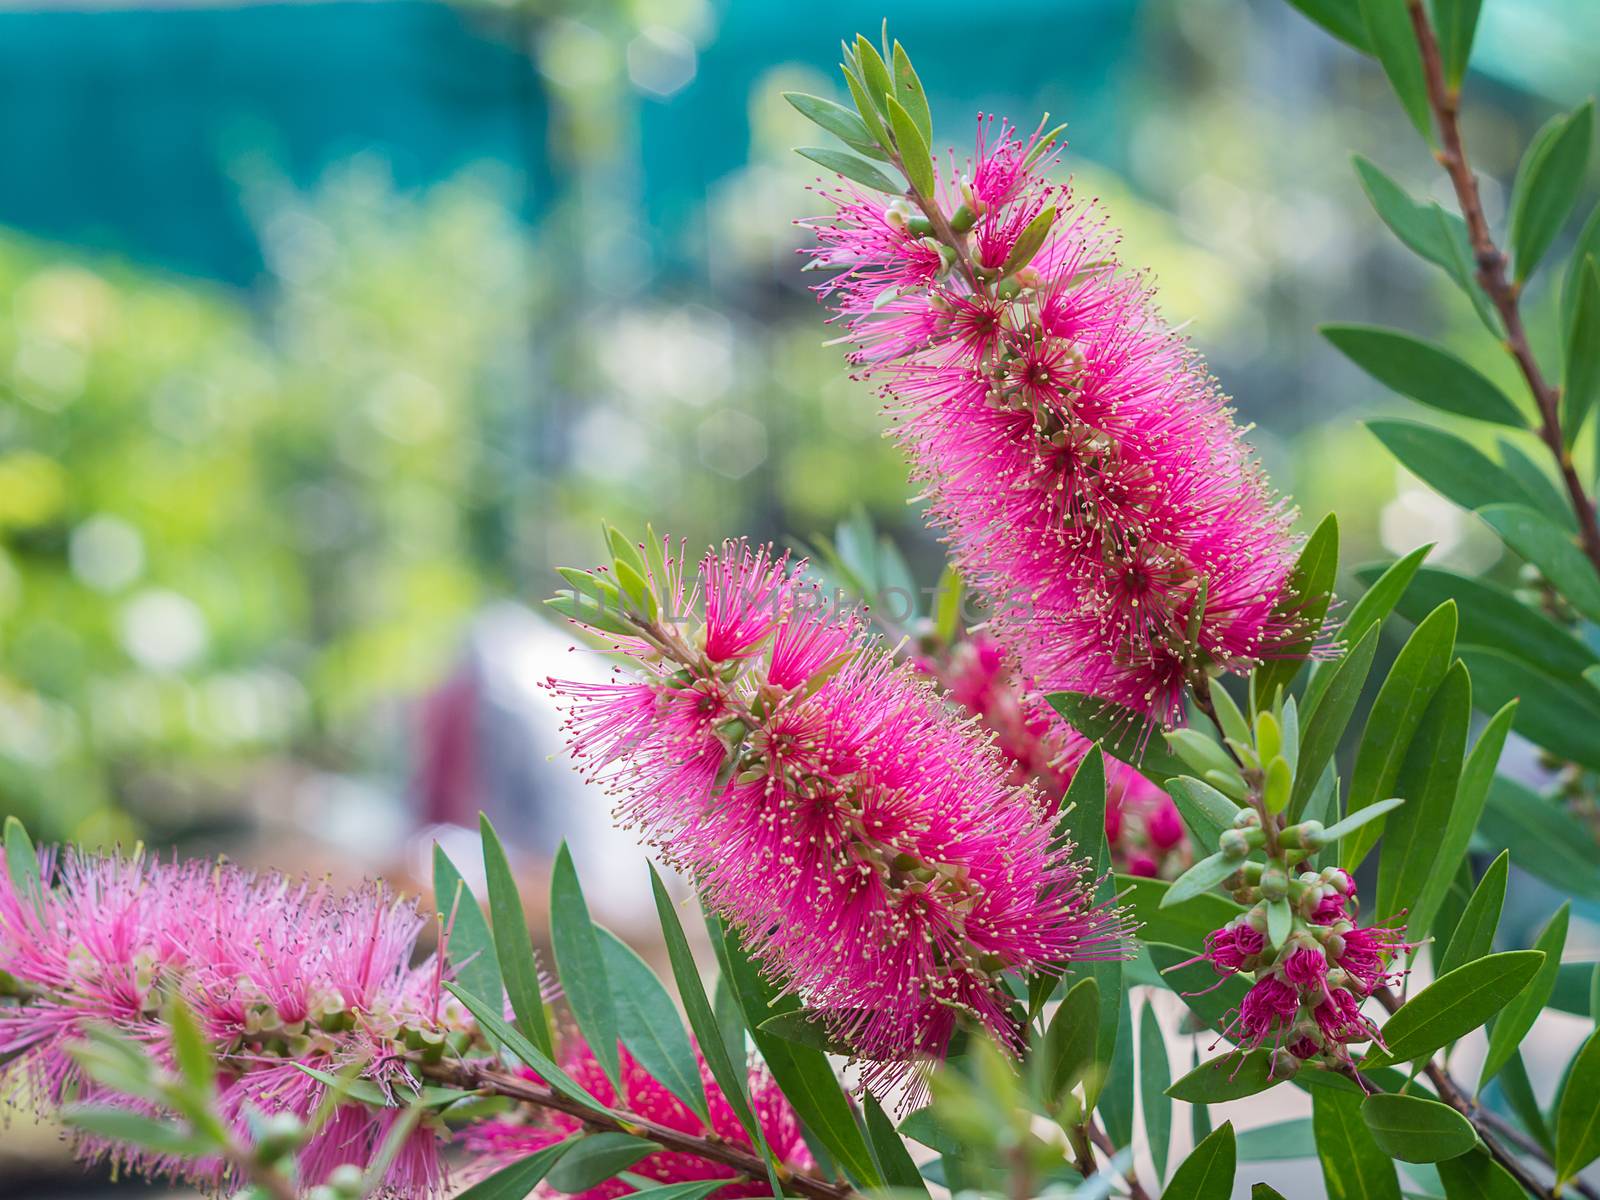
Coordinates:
(880,831)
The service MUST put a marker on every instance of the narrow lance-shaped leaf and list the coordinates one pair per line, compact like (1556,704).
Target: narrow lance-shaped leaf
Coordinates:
(1547,185)
(1451,466)
(582,969)
(851,167)
(1393,41)
(1556,713)
(470,948)
(1517,1018)
(835,118)
(1550,548)
(596,1159)
(1396,713)
(1114,1053)
(1474,933)
(1471,793)
(1429,232)
(1581,378)
(1226,1077)
(1121,732)
(513,946)
(1456,21)
(1340,18)
(908,90)
(1354,1166)
(648,1023)
(1328,712)
(1067,1052)
(517,1181)
(1577,1115)
(915,157)
(513,1040)
(22,863)
(1307,593)
(1586,247)
(1428,781)
(1424,372)
(1543,837)
(1155,1076)
(1476,1176)
(1207,1174)
(1205,810)
(1454,1005)
(702,1018)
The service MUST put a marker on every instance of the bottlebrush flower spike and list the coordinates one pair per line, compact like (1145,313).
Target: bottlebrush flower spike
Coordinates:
(278,975)
(1081,462)
(500,1142)
(863,837)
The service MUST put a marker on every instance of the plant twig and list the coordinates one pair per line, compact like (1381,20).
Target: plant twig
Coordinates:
(1502,292)
(527,1091)
(1490,1127)
(1103,1141)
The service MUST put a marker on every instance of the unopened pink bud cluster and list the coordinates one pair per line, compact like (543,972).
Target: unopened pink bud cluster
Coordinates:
(1307,995)
(279,974)
(1082,463)
(861,835)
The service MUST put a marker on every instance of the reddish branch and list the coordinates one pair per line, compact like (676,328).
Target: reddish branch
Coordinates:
(1445,102)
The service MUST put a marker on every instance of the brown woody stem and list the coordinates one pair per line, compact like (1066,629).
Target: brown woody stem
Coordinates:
(1502,292)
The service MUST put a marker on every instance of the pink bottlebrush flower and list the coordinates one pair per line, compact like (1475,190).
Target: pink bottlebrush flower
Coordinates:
(1082,464)
(501,1141)
(277,973)
(1267,1011)
(862,836)
(1366,955)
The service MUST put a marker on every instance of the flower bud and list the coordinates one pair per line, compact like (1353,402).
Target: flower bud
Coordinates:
(1233,844)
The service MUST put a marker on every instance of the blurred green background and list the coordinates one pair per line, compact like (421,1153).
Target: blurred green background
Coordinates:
(330,329)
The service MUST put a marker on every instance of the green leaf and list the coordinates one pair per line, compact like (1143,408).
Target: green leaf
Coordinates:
(1376,603)
(1581,376)
(908,90)
(1306,595)
(1513,1082)
(1536,482)
(1083,811)
(1343,20)
(596,1159)
(1202,877)
(1586,247)
(1455,22)
(1550,548)
(1029,241)
(517,1181)
(1121,732)
(1453,1005)
(512,944)
(801,1073)
(874,73)
(1331,700)
(1184,924)
(1428,781)
(1547,185)
(702,1019)
(22,864)
(1558,714)
(1262,1191)
(1476,1176)
(1155,1076)
(697,1189)
(1196,984)
(1474,933)
(135,1129)
(851,167)
(1471,794)
(470,947)
(1277,1142)
(1357,820)
(1578,1116)
(1415,1129)
(648,1023)
(1454,468)
(1517,1018)
(1424,372)
(1494,618)
(915,157)
(1206,811)
(1067,1052)
(1396,712)
(835,118)
(582,970)
(1226,1077)
(1542,837)
(1354,1166)
(491,1022)
(805,1029)
(1207,1174)
(1429,232)
(1114,1053)
(888,1151)
(1395,44)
